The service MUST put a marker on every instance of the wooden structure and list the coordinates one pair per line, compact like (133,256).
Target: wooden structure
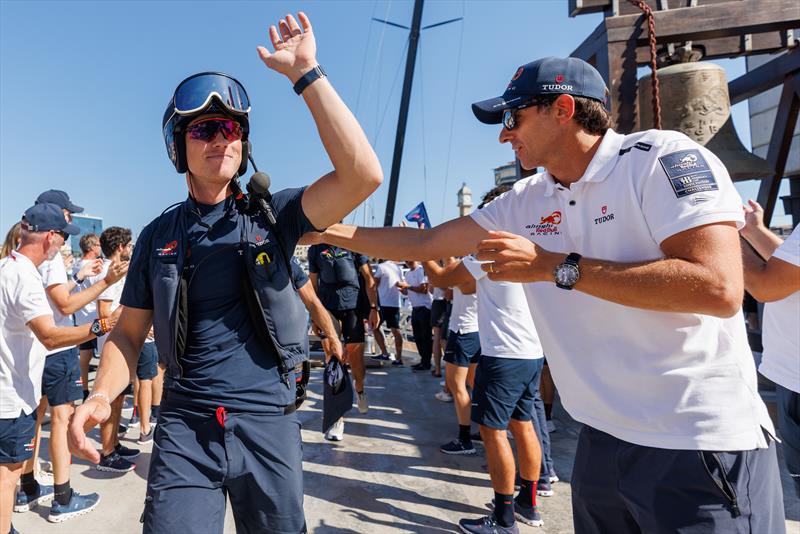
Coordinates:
(702,29)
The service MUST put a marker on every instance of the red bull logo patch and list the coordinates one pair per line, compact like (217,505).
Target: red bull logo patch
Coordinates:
(170,249)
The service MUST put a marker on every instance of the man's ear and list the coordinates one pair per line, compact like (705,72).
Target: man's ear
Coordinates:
(563,108)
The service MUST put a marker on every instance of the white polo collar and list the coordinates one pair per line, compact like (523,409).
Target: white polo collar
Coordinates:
(600,167)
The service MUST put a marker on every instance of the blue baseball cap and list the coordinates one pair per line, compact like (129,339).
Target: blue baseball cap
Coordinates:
(546,76)
(60,199)
(43,217)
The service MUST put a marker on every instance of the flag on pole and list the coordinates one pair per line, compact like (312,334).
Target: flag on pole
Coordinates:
(419,215)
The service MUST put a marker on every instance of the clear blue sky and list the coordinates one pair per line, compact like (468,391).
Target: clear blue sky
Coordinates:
(83,86)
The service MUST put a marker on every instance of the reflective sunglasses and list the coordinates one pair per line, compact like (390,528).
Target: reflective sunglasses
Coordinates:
(510,115)
(195,92)
(206,130)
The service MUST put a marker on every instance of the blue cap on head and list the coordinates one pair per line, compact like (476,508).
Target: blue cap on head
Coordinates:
(546,76)
(60,199)
(43,217)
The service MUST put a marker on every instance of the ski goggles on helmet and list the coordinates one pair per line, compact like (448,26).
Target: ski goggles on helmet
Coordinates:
(195,92)
(207,129)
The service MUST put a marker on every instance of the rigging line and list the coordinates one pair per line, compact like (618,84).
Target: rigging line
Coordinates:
(364,60)
(422,114)
(375,76)
(391,92)
(453,110)
(372,79)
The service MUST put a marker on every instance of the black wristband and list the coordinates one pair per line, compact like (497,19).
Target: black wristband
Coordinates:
(308,78)
(75,278)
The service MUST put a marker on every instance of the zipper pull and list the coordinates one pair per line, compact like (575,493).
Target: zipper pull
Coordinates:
(285,379)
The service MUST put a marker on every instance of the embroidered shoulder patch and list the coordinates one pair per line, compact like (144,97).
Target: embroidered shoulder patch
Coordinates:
(688,172)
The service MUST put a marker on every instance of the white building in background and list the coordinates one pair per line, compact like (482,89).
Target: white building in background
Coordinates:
(88,224)
(464,200)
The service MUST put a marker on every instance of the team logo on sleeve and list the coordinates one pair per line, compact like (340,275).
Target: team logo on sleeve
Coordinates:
(688,172)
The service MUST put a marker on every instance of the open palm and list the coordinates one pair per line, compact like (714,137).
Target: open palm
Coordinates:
(295,48)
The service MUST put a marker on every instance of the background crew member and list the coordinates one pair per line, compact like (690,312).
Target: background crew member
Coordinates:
(227,426)
(461,355)
(643,229)
(334,274)
(418,290)
(27,332)
(390,279)
(61,380)
(774,278)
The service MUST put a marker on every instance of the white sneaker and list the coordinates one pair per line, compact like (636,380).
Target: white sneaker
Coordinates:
(551,426)
(336,432)
(444,396)
(363,406)
(441,383)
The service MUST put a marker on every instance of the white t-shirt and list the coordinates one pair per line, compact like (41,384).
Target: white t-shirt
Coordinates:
(464,313)
(504,319)
(88,313)
(388,274)
(112,293)
(659,379)
(416,277)
(781,330)
(53,273)
(22,299)
(438,293)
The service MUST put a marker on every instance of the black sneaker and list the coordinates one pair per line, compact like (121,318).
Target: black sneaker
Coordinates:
(145,438)
(420,367)
(458,447)
(528,514)
(126,452)
(486,525)
(476,436)
(114,463)
(122,430)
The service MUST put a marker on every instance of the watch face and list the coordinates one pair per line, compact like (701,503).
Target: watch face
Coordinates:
(566,274)
(96,328)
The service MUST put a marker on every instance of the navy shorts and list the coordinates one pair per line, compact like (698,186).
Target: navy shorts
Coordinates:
(352,325)
(390,316)
(439,313)
(254,459)
(61,380)
(147,367)
(462,349)
(16,438)
(504,390)
(624,488)
(88,345)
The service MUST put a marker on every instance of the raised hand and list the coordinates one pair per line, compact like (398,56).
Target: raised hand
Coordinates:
(90,268)
(753,217)
(295,48)
(116,271)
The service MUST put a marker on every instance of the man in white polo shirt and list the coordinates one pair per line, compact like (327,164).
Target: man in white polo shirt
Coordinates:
(390,279)
(774,278)
(27,333)
(418,289)
(629,251)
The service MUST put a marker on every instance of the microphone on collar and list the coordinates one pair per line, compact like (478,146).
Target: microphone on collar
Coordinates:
(258,187)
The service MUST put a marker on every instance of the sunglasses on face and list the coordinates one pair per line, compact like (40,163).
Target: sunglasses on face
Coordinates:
(63,235)
(510,115)
(207,130)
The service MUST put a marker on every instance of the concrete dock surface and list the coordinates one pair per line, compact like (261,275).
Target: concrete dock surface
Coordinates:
(386,476)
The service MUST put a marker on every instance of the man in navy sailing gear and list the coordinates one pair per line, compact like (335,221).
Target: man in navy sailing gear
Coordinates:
(213,278)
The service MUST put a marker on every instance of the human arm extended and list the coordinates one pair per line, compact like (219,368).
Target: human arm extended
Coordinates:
(323,324)
(119,359)
(701,271)
(68,303)
(54,337)
(357,171)
(453,274)
(453,238)
(372,294)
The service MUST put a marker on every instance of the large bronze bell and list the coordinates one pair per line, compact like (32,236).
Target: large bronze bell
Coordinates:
(694,101)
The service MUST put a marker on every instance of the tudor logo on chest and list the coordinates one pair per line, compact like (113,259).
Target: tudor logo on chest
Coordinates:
(604,216)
